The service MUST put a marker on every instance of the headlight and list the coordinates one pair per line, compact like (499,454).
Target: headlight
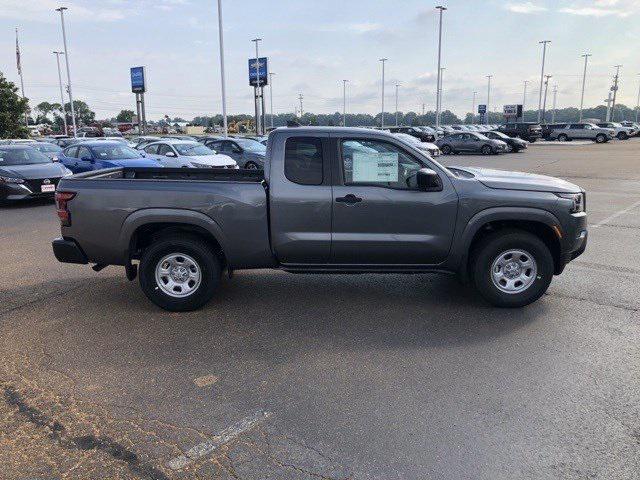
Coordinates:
(10,180)
(577,201)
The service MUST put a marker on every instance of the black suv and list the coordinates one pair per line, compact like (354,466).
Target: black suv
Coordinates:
(528,131)
(415,132)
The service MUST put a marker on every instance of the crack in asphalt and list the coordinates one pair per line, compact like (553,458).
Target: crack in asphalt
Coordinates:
(591,300)
(77,286)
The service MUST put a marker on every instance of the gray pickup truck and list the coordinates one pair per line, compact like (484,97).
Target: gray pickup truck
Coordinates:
(330,200)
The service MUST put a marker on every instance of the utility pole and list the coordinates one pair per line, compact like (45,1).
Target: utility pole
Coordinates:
(553,112)
(544,54)
(473,107)
(222,76)
(638,103)
(608,102)
(256,88)
(301,111)
(442,69)
(486,121)
(19,65)
(438,106)
(397,85)
(344,102)
(66,59)
(383,60)
(64,113)
(544,103)
(423,109)
(584,79)
(524,98)
(271,74)
(615,91)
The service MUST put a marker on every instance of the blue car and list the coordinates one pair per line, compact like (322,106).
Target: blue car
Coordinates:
(98,154)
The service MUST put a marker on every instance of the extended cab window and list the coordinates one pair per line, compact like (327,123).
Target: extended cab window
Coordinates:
(303,160)
(375,162)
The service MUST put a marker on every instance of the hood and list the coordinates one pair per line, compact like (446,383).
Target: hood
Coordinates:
(505,180)
(34,171)
(216,160)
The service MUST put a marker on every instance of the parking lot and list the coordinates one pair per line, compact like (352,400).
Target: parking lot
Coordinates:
(330,376)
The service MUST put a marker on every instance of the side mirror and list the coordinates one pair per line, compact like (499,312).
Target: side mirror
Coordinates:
(428,180)
(142,154)
(170,154)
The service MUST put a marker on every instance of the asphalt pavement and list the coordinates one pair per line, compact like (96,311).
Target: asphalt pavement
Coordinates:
(330,376)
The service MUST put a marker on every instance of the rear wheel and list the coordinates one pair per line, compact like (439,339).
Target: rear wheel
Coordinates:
(446,150)
(179,273)
(251,166)
(562,137)
(512,268)
(486,150)
(601,138)
(622,135)
(532,140)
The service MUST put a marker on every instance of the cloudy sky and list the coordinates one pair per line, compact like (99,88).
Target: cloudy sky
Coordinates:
(314,44)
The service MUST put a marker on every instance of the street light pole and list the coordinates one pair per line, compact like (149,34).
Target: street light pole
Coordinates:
(442,9)
(255,89)
(66,59)
(544,53)
(64,113)
(383,60)
(344,102)
(442,69)
(638,103)
(222,76)
(271,74)
(486,121)
(553,112)
(397,85)
(473,106)
(544,103)
(615,92)
(524,98)
(584,78)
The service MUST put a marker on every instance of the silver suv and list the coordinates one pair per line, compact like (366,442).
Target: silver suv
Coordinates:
(582,131)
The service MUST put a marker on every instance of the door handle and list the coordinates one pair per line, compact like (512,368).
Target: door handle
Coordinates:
(349,199)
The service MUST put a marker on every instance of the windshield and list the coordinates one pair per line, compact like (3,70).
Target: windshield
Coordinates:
(251,145)
(499,134)
(114,152)
(22,156)
(481,136)
(47,148)
(192,149)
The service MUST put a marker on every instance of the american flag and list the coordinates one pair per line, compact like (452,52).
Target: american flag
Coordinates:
(18,54)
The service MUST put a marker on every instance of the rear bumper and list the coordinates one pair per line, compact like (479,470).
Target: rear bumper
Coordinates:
(68,251)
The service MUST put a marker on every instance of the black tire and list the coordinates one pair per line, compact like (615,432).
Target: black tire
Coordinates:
(251,166)
(487,150)
(601,138)
(207,261)
(622,136)
(490,248)
(532,140)
(563,137)
(446,150)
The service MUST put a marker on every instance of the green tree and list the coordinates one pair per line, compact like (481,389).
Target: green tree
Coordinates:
(12,110)
(84,115)
(125,116)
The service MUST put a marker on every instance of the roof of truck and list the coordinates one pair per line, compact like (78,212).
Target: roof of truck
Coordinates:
(341,130)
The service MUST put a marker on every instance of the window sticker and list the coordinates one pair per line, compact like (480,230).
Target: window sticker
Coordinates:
(375,167)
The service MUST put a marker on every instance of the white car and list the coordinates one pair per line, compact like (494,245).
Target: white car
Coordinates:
(430,148)
(186,154)
(622,132)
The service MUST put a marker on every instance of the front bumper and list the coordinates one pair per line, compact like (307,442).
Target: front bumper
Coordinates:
(21,191)
(574,241)
(68,251)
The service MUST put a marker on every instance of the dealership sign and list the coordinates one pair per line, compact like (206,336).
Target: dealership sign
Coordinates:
(512,111)
(261,72)
(482,109)
(138,80)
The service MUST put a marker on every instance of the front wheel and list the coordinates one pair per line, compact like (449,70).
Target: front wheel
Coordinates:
(622,136)
(601,138)
(512,268)
(179,273)
(446,150)
(251,166)
(487,150)
(562,137)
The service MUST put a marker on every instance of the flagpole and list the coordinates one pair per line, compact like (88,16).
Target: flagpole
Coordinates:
(19,65)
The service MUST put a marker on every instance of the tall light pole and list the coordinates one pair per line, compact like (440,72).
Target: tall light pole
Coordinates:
(584,79)
(442,9)
(638,102)
(383,60)
(397,85)
(473,106)
(222,76)
(344,102)
(255,89)
(300,97)
(615,91)
(66,59)
(524,98)
(64,112)
(553,112)
(486,121)
(544,103)
(442,69)
(271,74)
(544,54)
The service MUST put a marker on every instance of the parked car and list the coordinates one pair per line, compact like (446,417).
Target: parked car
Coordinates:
(547,128)
(98,154)
(525,130)
(427,147)
(247,153)
(514,144)
(621,132)
(332,200)
(49,149)
(634,125)
(582,131)
(65,142)
(183,153)
(470,142)
(415,131)
(27,173)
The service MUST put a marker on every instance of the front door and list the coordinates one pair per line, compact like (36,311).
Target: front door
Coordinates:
(379,215)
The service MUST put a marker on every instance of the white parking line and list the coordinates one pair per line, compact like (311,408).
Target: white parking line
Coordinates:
(616,215)
(224,437)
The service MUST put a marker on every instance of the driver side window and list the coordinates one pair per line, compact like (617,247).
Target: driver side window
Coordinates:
(379,163)
(84,153)
(163,149)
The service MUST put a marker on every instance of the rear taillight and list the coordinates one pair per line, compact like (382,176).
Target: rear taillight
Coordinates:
(62,200)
